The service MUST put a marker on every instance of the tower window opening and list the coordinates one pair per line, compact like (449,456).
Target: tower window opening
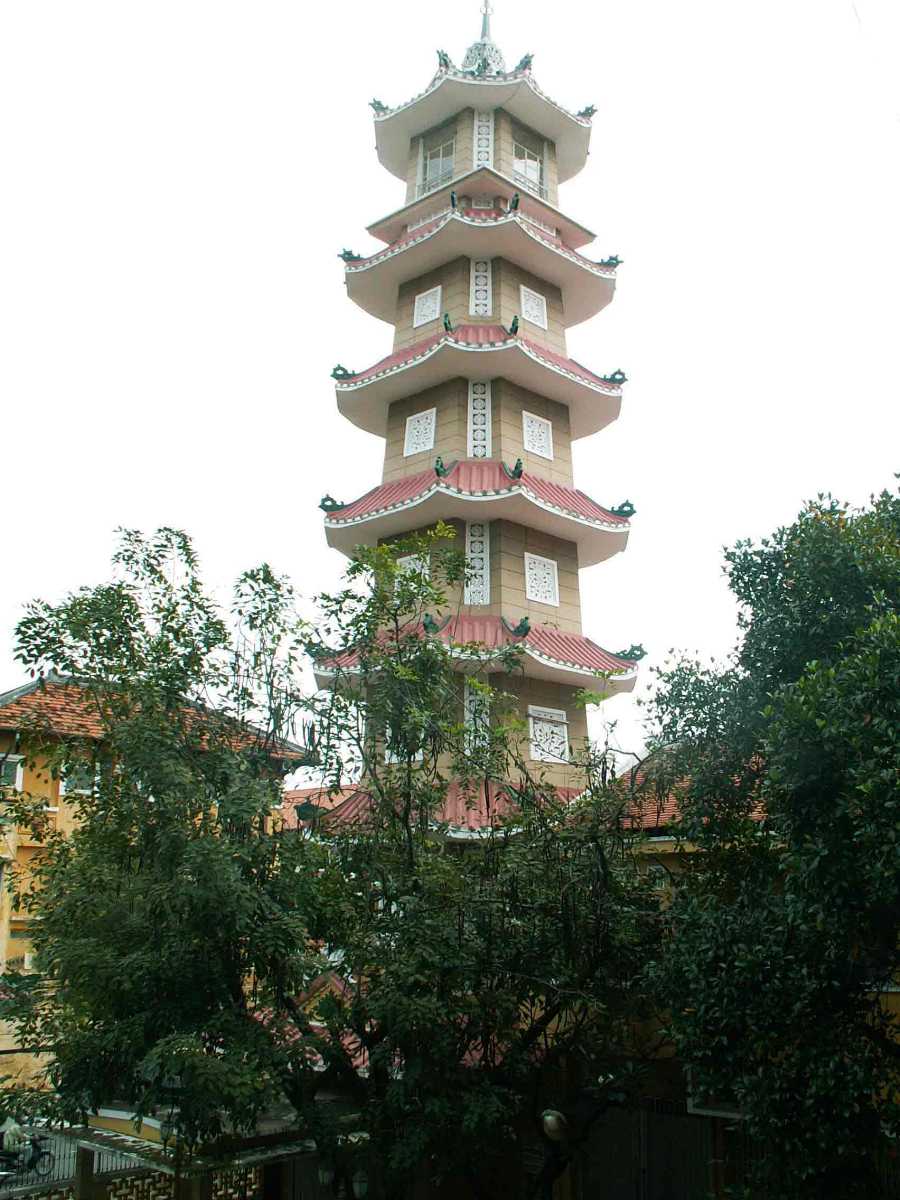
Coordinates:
(420,429)
(541,580)
(537,435)
(528,169)
(437,166)
(549,730)
(427,307)
(533,306)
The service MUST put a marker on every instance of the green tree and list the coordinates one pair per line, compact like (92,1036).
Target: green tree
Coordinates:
(201,957)
(785,926)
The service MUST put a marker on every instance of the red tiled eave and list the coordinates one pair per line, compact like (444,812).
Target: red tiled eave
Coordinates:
(477,477)
(572,650)
(485,337)
(50,706)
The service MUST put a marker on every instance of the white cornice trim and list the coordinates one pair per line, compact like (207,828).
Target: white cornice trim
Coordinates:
(514,218)
(513,79)
(606,389)
(439,487)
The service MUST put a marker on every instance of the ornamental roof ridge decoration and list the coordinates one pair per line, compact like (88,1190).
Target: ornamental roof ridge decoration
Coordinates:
(475,338)
(461,479)
(481,217)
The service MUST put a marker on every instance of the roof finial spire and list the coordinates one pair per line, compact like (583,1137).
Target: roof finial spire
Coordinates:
(486,11)
(483,57)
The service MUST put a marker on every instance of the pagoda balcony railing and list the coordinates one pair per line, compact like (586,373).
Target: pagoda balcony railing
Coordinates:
(434,182)
(530,185)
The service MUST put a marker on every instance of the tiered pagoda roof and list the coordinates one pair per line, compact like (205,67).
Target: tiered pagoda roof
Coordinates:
(548,653)
(364,396)
(373,282)
(496,491)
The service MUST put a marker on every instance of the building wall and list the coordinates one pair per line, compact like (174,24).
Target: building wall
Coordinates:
(508,444)
(506,129)
(454,280)
(451,400)
(508,569)
(461,128)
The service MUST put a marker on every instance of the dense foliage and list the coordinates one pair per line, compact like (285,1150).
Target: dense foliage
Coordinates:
(203,956)
(784,945)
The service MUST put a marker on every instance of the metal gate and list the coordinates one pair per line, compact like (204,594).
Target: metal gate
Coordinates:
(647,1155)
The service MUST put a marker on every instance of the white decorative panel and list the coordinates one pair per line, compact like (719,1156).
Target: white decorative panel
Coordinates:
(427,307)
(541,579)
(420,432)
(415,562)
(478,563)
(537,435)
(476,714)
(483,145)
(480,420)
(534,306)
(481,301)
(549,734)
(482,201)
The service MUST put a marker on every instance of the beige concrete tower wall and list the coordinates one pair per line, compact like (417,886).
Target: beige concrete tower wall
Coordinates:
(508,403)
(509,543)
(513,542)
(506,132)
(461,129)
(454,280)
(508,281)
(451,400)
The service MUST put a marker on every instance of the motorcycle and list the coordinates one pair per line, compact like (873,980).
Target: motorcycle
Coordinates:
(33,1155)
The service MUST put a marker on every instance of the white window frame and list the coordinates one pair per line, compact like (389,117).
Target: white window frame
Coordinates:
(444,174)
(526,155)
(474,449)
(529,294)
(75,791)
(19,761)
(478,588)
(419,303)
(529,445)
(479,307)
(539,558)
(555,716)
(408,447)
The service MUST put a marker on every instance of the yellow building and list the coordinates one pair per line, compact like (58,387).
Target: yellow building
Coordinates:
(35,720)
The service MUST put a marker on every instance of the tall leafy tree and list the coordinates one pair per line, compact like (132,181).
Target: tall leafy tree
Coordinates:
(784,945)
(202,955)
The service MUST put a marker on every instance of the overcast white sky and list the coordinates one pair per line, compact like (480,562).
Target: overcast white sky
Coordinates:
(178,177)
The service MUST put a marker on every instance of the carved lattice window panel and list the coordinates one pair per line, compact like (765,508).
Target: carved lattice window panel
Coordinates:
(427,307)
(534,306)
(549,731)
(479,420)
(478,562)
(481,301)
(420,432)
(537,435)
(541,580)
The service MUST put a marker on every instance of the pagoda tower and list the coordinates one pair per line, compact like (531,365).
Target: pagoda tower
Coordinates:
(478,402)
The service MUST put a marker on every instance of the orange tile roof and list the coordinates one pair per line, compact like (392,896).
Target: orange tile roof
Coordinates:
(52,705)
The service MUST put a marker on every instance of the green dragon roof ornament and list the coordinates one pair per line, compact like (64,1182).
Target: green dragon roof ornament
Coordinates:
(329,504)
(378,108)
(514,472)
(612,261)
(341,372)
(625,509)
(633,653)
(350,256)
(616,377)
